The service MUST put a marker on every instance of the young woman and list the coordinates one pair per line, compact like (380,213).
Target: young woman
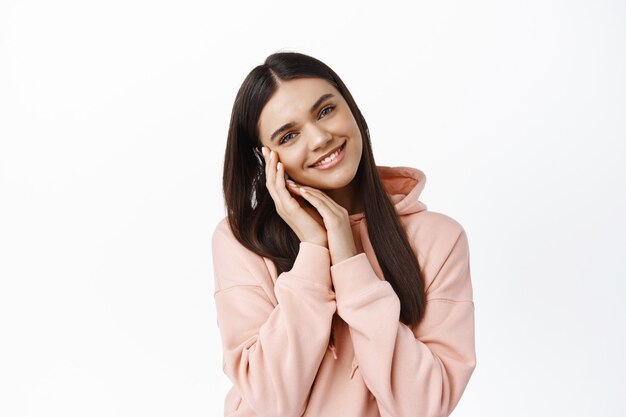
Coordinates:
(337,292)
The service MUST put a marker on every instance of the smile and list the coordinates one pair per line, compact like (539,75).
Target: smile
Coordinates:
(332,159)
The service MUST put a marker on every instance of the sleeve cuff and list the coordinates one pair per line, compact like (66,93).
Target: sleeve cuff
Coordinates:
(313,264)
(353,275)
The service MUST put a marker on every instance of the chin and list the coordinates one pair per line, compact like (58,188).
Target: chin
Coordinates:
(334,183)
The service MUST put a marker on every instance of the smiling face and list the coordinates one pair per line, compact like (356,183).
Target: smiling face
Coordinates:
(309,125)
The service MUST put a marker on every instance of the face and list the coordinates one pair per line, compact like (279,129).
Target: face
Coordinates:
(308,123)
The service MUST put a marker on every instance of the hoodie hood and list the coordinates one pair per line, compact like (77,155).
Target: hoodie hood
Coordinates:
(404,186)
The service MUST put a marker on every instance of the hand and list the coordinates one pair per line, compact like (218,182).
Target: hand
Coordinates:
(306,223)
(336,221)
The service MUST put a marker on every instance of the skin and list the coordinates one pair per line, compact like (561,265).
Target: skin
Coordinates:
(331,194)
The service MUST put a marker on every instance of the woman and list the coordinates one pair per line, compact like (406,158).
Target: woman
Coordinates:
(337,292)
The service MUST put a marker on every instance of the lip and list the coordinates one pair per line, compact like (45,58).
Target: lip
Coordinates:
(335,161)
(328,154)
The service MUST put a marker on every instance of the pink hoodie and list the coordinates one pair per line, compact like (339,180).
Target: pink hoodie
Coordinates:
(275,329)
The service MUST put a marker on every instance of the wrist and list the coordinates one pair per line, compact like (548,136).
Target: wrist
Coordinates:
(340,257)
(319,242)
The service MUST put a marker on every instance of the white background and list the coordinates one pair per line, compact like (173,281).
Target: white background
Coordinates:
(113,120)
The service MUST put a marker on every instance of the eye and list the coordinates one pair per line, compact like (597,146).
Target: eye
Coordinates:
(323,113)
(284,138)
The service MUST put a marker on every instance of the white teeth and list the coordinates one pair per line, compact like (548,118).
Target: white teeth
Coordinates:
(329,158)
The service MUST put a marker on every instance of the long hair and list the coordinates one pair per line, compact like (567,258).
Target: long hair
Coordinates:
(251,211)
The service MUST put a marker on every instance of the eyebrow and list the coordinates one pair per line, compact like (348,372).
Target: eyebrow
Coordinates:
(314,107)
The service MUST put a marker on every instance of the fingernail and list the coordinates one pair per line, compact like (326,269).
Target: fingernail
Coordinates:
(278,166)
(271,154)
(263,151)
(293,184)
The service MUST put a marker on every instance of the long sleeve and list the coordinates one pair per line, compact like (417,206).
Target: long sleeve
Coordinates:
(272,348)
(412,373)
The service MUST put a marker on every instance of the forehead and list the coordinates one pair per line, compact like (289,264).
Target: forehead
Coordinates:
(292,101)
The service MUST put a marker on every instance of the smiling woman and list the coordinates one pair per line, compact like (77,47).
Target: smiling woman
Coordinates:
(337,292)
(317,147)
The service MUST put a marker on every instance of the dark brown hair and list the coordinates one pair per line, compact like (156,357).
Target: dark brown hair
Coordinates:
(251,211)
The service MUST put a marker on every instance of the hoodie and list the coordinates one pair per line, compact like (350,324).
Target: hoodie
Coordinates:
(326,340)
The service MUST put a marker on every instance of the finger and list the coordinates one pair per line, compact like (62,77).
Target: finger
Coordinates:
(292,187)
(270,167)
(332,204)
(295,187)
(265,159)
(270,171)
(282,198)
(281,188)
(320,205)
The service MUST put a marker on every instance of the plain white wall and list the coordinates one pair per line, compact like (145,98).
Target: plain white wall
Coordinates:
(113,118)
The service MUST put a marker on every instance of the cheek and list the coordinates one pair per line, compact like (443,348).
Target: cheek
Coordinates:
(358,142)
(293,159)
(291,167)
(297,173)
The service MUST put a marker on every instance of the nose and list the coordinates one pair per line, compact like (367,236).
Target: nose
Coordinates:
(319,137)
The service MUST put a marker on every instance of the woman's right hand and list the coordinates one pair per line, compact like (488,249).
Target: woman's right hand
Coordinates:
(302,221)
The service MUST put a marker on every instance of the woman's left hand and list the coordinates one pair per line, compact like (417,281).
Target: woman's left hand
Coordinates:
(336,221)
